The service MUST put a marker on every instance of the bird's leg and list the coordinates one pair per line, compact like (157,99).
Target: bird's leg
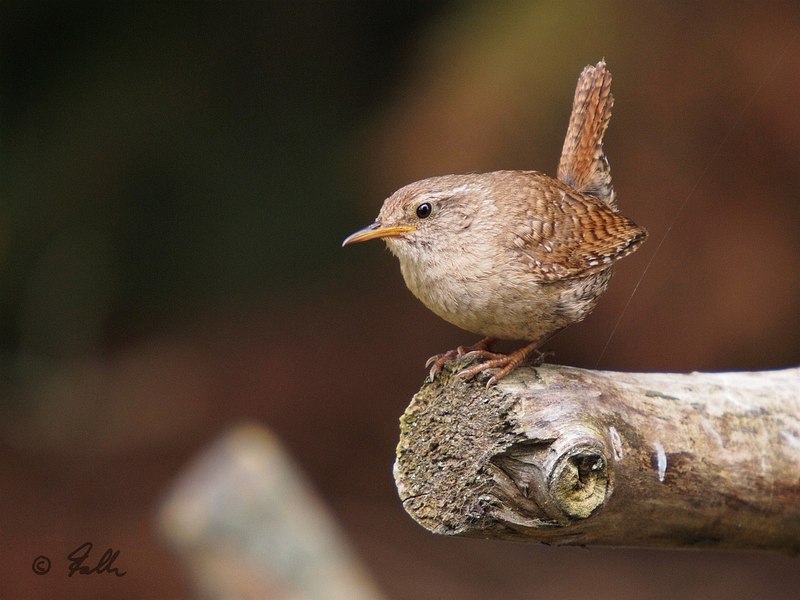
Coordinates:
(438,361)
(505,362)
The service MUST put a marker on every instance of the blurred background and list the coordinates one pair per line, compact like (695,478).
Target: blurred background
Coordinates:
(176,182)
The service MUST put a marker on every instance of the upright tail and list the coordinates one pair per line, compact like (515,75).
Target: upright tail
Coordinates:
(583,164)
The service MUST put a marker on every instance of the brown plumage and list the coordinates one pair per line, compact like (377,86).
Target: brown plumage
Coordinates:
(514,254)
(583,165)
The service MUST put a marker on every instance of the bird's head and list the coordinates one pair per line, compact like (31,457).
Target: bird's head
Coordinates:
(425,215)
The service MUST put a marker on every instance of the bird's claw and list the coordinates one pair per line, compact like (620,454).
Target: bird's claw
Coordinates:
(437,362)
(502,363)
(506,363)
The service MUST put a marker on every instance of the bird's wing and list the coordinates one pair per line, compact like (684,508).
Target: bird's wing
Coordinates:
(572,235)
(583,164)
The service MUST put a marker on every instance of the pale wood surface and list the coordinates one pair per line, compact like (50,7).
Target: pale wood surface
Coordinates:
(569,456)
(246,524)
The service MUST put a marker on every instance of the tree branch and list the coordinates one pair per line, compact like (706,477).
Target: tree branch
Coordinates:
(570,456)
(246,524)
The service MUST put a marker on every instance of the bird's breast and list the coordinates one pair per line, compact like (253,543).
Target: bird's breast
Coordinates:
(505,303)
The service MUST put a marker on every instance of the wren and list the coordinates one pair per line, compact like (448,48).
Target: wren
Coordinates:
(514,254)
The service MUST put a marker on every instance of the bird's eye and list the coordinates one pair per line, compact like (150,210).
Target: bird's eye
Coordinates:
(424,210)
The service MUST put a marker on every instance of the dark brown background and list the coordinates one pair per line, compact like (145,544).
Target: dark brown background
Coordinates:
(177,180)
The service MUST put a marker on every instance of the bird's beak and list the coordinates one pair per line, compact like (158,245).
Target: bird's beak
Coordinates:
(375,231)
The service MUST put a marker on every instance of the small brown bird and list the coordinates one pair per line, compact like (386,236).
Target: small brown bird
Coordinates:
(514,254)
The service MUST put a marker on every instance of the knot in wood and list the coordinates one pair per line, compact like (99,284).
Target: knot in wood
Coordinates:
(579,481)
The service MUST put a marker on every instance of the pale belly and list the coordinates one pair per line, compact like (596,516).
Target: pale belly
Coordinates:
(507,307)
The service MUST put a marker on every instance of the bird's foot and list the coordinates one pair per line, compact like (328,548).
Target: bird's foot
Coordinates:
(506,363)
(438,361)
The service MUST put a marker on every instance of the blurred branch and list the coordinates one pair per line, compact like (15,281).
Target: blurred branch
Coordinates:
(577,457)
(247,525)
